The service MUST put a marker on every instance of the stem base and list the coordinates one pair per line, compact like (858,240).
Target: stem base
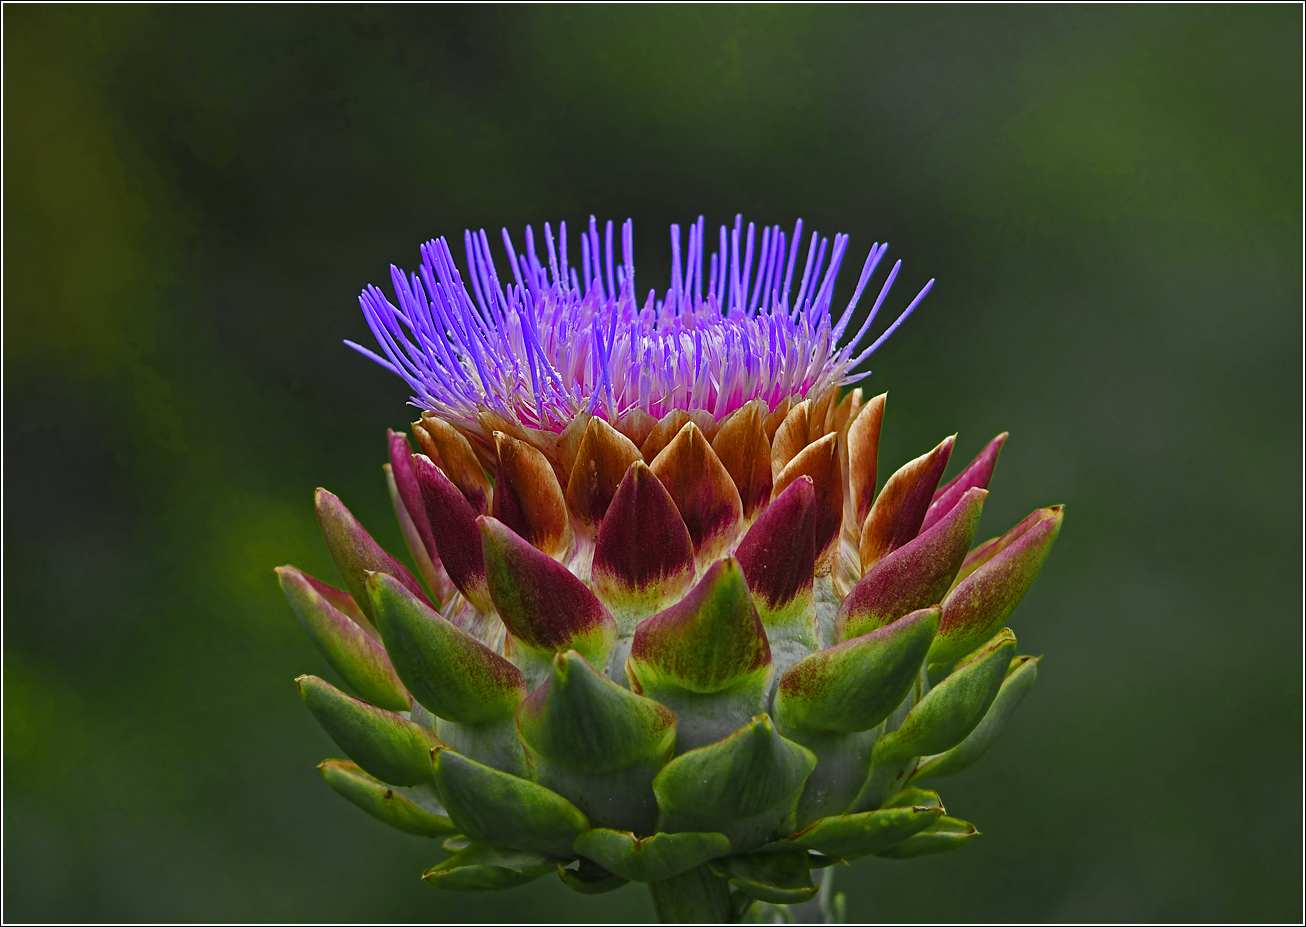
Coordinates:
(695,897)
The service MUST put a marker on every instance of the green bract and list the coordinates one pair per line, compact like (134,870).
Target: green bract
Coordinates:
(707,656)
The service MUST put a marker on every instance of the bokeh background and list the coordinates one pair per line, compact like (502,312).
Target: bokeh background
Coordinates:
(1110,198)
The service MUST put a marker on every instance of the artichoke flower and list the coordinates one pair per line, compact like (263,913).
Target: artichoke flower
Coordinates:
(662,628)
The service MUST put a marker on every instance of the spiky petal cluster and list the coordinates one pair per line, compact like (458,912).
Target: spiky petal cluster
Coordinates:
(710,659)
(556,339)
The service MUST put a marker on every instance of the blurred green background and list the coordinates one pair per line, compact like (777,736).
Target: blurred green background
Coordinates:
(1110,199)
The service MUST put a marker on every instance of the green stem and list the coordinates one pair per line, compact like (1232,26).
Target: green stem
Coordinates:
(695,897)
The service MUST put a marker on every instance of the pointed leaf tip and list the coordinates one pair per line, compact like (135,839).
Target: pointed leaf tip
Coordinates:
(597,744)
(778,555)
(776,877)
(976,475)
(982,601)
(863,456)
(670,425)
(406,497)
(915,575)
(1020,678)
(602,458)
(480,868)
(744,450)
(853,686)
(643,558)
(355,553)
(636,425)
(499,809)
(457,459)
(820,462)
(410,494)
(710,640)
(451,673)
(527,497)
(582,720)
(650,859)
(387,746)
(953,708)
(943,835)
(545,606)
(382,801)
(351,651)
(745,786)
(900,508)
(453,525)
(852,836)
(791,436)
(703,492)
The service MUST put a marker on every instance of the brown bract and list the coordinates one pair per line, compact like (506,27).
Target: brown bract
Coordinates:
(527,497)
(703,492)
(791,437)
(601,462)
(896,516)
(661,434)
(863,456)
(820,461)
(745,451)
(456,458)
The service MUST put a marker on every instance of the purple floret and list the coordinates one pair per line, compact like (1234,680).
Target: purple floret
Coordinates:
(558,339)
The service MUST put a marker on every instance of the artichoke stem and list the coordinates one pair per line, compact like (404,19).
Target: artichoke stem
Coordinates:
(695,897)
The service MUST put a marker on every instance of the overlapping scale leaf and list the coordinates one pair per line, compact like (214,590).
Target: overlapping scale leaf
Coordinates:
(703,492)
(406,497)
(351,650)
(527,497)
(832,700)
(545,607)
(916,575)
(389,747)
(480,868)
(499,809)
(778,557)
(396,807)
(1020,678)
(597,744)
(940,721)
(643,556)
(651,859)
(745,786)
(452,520)
(703,564)
(995,583)
(473,691)
(706,658)
(899,509)
(355,553)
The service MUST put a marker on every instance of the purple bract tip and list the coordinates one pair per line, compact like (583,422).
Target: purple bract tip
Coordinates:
(558,339)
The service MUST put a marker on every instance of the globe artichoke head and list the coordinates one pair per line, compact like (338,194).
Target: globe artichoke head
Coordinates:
(663,627)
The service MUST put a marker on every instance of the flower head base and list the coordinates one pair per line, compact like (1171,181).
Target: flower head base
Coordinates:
(559,339)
